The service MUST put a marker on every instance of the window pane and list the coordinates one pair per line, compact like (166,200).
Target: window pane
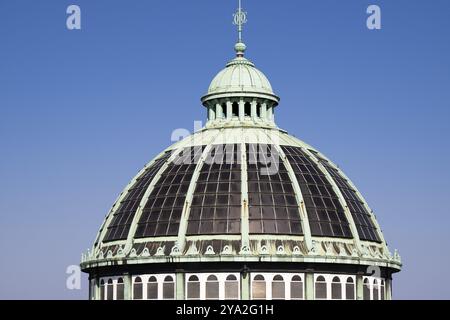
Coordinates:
(350,291)
(375,291)
(321,290)
(152,291)
(296,290)
(120,291)
(278,290)
(212,290)
(110,294)
(137,291)
(231,290)
(193,290)
(169,291)
(366,290)
(336,292)
(102,292)
(259,290)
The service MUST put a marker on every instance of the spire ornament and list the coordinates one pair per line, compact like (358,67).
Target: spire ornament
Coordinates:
(239,19)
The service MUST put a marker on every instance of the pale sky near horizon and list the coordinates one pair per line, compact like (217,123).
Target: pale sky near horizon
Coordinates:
(82,111)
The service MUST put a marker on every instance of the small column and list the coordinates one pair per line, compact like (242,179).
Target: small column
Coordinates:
(254,113)
(91,288)
(270,114)
(388,288)
(229,110)
(211,115)
(245,286)
(127,287)
(264,111)
(219,111)
(359,287)
(241,110)
(95,288)
(309,285)
(180,285)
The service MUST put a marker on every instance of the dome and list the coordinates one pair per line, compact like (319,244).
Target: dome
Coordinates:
(243,203)
(240,77)
(244,183)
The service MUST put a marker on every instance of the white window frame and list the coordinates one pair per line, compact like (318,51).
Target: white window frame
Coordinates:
(371,286)
(114,280)
(287,277)
(221,277)
(329,279)
(159,280)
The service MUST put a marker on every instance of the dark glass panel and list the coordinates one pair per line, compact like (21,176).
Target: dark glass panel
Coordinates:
(364,225)
(162,213)
(273,207)
(220,199)
(123,216)
(325,213)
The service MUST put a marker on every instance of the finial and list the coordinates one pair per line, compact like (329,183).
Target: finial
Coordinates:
(240,18)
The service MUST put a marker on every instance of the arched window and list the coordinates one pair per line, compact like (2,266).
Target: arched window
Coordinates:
(102,290)
(120,289)
(247,109)
(350,289)
(376,290)
(258,110)
(278,288)
(382,289)
(231,288)
(336,289)
(152,288)
(259,288)
(321,288)
(235,109)
(366,289)
(110,290)
(212,288)
(137,289)
(168,288)
(296,288)
(193,288)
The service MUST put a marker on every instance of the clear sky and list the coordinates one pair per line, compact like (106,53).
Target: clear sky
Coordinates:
(82,111)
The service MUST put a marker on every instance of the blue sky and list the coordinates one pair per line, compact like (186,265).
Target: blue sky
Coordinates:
(82,111)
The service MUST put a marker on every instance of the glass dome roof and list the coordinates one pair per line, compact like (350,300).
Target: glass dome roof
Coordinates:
(240,190)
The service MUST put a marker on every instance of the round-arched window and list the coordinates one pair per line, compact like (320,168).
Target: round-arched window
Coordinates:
(193,288)
(259,287)
(137,289)
(336,289)
(296,288)
(120,289)
(321,288)
(366,289)
(152,288)
(102,290)
(231,288)
(278,288)
(169,288)
(350,289)
(376,290)
(212,288)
